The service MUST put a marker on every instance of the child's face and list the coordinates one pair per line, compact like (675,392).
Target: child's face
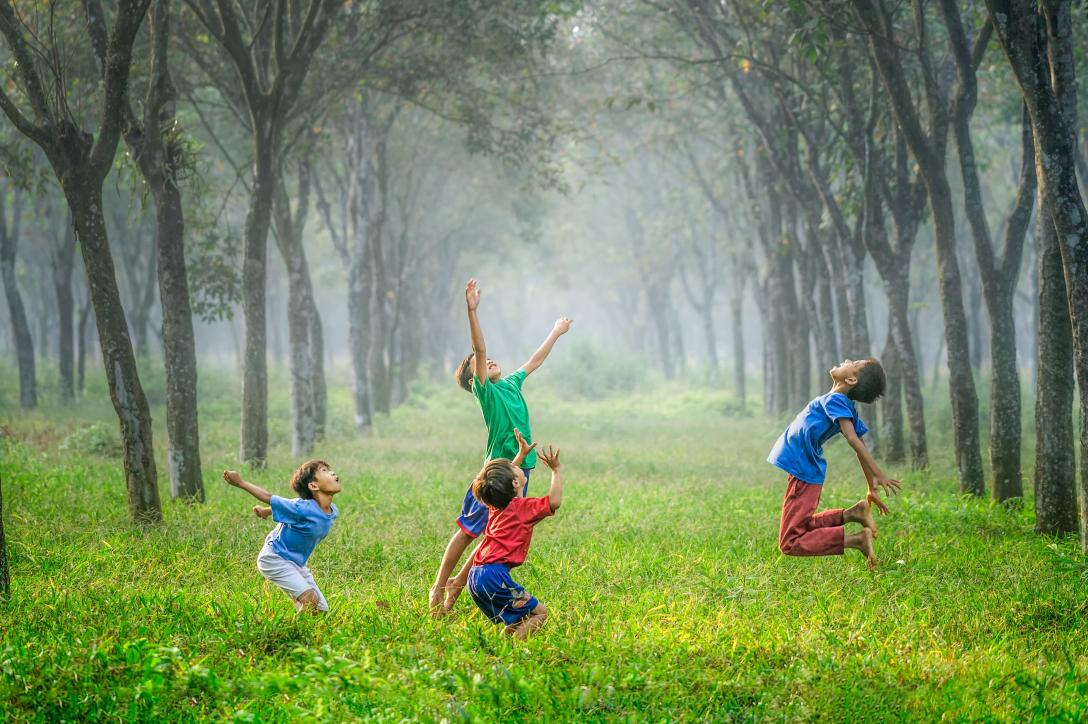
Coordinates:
(519,480)
(325,481)
(847,370)
(493,370)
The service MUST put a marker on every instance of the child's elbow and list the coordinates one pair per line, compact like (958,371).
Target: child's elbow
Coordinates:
(555,503)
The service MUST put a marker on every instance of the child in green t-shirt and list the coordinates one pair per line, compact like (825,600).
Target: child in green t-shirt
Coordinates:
(505,413)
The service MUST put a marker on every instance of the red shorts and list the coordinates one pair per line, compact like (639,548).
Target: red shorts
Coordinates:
(803,531)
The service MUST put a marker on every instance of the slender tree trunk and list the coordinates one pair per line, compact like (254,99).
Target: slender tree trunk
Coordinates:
(907,364)
(1055,464)
(63,261)
(24,343)
(179,347)
(359,341)
(254,440)
(317,372)
(85,314)
(892,401)
(740,386)
(85,201)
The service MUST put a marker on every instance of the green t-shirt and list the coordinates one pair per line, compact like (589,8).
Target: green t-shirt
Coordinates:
(504,409)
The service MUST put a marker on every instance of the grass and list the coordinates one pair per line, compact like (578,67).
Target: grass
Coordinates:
(669,599)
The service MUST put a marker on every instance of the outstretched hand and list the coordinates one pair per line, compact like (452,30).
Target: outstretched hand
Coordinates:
(876,502)
(232,477)
(549,457)
(524,448)
(562,325)
(889,485)
(472,294)
(261,512)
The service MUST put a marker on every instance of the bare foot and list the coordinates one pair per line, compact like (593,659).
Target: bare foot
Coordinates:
(861,512)
(866,547)
(453,590)
(435,600)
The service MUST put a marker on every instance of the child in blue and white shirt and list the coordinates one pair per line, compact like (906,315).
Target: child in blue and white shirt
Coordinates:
(303,523)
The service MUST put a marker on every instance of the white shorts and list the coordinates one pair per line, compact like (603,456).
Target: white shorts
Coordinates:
(294,579)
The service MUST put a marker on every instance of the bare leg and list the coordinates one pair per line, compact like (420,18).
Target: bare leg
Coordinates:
(307,601)
(863,542)
(528,625)
(454,549)
(455,585)
(860,512)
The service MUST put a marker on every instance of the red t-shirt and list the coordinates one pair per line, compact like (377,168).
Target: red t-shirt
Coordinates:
(509,530)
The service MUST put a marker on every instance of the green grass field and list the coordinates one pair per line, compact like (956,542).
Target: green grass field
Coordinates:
(668,597)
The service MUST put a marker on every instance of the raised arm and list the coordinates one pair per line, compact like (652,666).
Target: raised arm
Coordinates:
(524,449)
(550,457)
(232,477)
(561,327)
(479,351)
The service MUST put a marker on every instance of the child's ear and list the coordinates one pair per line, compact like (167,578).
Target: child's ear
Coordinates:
(851,381)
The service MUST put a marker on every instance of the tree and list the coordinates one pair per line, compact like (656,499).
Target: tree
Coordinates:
(24,343)
(1037,40)
(928,149)
(81,162)
(267,72)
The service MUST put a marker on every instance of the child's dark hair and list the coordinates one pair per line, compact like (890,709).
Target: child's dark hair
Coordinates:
(464,373)
(494,486)
(871,382)
(300,481)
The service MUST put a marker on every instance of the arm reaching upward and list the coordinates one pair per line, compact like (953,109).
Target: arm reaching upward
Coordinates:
(479,351)
(232,477)
(562,326)
(550,457)
(524,448)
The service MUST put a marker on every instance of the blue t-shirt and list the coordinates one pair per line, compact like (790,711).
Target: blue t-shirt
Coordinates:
(799,451)
(302,525)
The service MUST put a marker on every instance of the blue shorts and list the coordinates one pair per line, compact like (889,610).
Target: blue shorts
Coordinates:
(498,596)
(473,518)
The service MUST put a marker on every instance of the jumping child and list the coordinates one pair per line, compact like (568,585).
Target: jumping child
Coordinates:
(799,452)
(504,409)
(303,523)
(511,518)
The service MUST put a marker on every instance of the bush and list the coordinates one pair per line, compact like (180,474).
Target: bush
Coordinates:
(584,372)
(96,439)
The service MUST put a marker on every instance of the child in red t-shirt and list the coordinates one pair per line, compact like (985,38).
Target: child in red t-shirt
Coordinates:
(506,541)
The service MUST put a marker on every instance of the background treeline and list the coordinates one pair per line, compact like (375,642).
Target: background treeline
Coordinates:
(739,193)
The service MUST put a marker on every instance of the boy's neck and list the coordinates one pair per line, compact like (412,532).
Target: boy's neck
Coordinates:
(324,500)
(841,387)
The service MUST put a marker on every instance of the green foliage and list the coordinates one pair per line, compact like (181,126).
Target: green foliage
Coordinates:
(587,372)
(668,597)
(98,439)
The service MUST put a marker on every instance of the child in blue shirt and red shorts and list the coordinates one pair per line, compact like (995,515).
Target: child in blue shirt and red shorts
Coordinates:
(799,452)
(510,522)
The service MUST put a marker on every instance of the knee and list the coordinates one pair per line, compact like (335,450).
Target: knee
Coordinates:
(540,612)
(787,546)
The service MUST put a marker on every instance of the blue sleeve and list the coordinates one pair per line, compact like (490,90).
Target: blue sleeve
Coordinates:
(837,406)
(286,511)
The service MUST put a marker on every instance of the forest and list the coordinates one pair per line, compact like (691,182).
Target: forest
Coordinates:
(235,236)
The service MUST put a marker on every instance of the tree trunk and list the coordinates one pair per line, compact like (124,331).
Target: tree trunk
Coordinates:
(892,401)
(63,261)
(85,201)
(179,348)
(317,372)
(254,439)
(739,377)
(81,336)
(1055,464)
(907,364)
(20,327)
(359,293)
